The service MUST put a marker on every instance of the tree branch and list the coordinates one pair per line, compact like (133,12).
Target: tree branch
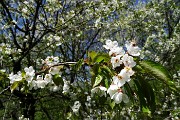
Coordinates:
(10,17)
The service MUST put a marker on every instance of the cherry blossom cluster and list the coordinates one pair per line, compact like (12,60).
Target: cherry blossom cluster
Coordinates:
(76,106)
(121,57)
(41,81)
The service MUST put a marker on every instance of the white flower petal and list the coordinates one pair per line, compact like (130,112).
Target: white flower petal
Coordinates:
(112,90)
(110,44)
(117,97)
(132,49)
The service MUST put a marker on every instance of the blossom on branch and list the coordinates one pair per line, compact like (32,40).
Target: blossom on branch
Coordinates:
(99,90)
(15,77)
(110,44)
(132,49)
(117,95)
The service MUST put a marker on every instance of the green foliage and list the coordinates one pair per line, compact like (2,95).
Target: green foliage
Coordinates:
(101,57)
(57,79)
(68,29)
(145,94)
(15,85)
(100,72)
(97,57)
(97,80)
(159,72)
(112,104)
(156,70)
(3,79)
(78,65)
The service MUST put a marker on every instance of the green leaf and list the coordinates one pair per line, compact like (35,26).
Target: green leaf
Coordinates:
(101,57)
(98,57)
(57,79)
(106,71)
(3,79)
(156,69)
(92,55)
(146,110)
(14,85)
(106,82)
(112,104)
(129,92)
(107,75)
(95,69)
(98,80)
(145,93)
(77,66)
(139,69)
(159,72)
(23,73)
(139,93)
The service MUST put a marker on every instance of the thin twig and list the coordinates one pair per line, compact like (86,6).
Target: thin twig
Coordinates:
(5,90)
(64,63)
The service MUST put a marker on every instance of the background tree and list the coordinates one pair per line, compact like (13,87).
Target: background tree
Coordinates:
(33,30)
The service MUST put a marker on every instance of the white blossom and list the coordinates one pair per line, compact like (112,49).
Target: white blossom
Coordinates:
(112,89)
(48,78)
(57,38)
(76,106)
(110,44)
(121,78)
(99,90)
(51,60)
(116,51)
(15,77)
(132,49)
(24,10)
(66,86)
(128,61)
(116,94)
(30,73)
(54,88)
(128,70)
(32,85)
(40,82)
(23,118)
(55,70)
(88,98)
(116,61)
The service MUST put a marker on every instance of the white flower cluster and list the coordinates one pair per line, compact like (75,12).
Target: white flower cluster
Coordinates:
(121,57)
(100,90)
(54,39)
(66,86)
(76,106)
(41,81)
(51,60)
(23,118)
(124,58)
(28,76)
(5,48)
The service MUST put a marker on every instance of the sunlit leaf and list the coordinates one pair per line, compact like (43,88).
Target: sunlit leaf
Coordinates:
(92,55)
(159,72)
(57,79)
(112,104)
(146,110)
(14,86)
(101,57)
(156,69)
(98,80)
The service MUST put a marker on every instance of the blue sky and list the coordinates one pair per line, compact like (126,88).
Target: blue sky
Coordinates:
(141,0)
